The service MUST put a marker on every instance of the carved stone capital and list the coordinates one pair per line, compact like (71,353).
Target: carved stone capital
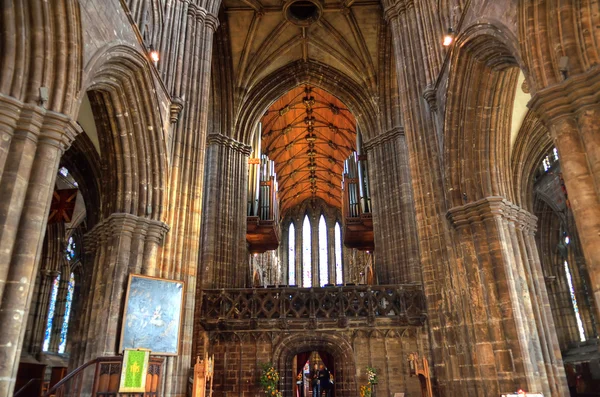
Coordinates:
(220,139)
(568,97)
(157,231)
(490,207)
(10,109)
(383,138)
(175,108)
(59,130)
(395,8)
(430,96)
(119,224)
(212,21)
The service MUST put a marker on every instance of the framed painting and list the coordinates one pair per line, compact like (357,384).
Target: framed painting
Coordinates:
(152,315)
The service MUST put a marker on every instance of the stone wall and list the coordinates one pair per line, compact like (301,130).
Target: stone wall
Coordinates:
(238,356)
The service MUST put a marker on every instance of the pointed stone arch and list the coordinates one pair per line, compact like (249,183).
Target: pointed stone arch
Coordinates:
(477,122)
(336,345)
(258,99)
(122,92)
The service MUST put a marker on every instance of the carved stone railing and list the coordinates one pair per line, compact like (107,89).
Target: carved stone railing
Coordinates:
(328,307)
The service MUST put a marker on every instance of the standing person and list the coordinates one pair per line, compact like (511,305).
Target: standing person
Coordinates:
(324,380)
(314,376)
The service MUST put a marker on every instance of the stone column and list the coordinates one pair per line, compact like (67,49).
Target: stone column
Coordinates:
(509,318)
(224,258)
(284,254)
(82,299)
(571,112)
(394,223)
(59,309)
(120,242)
(331,250)
(314,249)
(38,138)
(51,262)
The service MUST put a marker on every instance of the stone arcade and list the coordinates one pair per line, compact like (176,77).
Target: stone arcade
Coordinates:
(332,181)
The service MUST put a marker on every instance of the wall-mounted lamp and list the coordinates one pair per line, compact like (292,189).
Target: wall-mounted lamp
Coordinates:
(154,55)
(448,38)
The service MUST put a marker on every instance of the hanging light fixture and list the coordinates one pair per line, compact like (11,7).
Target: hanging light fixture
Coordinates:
(154,55)
(448,38)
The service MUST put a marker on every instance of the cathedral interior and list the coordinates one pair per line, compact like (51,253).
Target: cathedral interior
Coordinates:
(403,187)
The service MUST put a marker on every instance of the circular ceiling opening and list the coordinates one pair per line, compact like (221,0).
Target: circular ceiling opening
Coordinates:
(302,12)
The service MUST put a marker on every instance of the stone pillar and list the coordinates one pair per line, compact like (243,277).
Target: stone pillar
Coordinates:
(118,250)
(394,223)
(33,140)
(51,262)
(314,249)
(571,112)
(224,258)
(59,309)
(511,326)
(83,301)
(331,250)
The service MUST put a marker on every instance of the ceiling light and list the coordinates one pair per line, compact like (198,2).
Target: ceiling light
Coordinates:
(154,56)
(448,38)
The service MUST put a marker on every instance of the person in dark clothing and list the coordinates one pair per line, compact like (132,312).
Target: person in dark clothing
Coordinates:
(324,380)
(314,376)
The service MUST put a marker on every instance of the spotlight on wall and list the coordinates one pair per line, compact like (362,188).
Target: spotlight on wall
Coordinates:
(154,56)
(448,38)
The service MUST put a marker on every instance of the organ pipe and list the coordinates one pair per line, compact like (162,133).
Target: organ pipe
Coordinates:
(262,183)
(355,184)
(254,173)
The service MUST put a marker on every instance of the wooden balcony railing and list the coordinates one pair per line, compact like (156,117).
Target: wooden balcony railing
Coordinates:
(292,307)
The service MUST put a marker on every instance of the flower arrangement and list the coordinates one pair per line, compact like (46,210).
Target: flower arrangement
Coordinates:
(365,390)
(372,375)
(269,379)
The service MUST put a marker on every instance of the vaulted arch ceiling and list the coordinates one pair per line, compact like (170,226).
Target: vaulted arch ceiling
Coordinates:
(308,133)
(346,36)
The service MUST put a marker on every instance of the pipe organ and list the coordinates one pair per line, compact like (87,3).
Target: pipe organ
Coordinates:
(262,233)
(356,202)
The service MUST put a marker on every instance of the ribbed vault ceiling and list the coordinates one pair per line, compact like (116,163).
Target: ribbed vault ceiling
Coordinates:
(346,37)
(308,133)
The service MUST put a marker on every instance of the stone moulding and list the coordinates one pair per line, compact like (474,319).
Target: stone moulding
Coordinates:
(567,97)
(383,138)
(220,139)
(479,211)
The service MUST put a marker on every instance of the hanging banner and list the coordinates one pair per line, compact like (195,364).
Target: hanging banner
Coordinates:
(134,371)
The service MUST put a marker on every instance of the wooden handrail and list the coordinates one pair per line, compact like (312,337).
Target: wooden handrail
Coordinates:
(77,370)
(18,392)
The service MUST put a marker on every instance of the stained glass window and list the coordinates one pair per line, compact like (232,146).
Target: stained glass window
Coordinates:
(555,152)
(306,251)
(323,271)
(292,255)
(65,324)
(339,279)
(574,303)
(51,308)
(70,250)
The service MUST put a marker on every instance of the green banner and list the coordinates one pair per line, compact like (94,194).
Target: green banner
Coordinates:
(133,371)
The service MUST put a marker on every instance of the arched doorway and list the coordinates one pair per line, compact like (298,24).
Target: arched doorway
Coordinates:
(304,371)
(334,352)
